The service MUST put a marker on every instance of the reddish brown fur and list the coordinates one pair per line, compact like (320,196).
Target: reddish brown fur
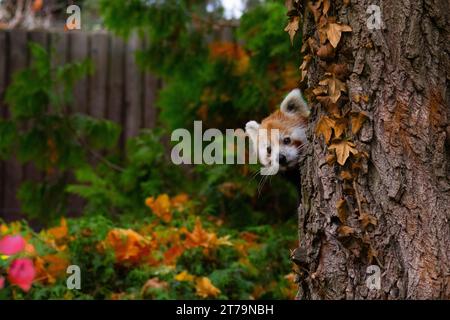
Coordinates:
(284,123)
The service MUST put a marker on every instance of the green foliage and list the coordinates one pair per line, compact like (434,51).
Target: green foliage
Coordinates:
(45,130)
(222,83)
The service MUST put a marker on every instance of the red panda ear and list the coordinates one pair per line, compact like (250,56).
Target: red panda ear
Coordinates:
(295,104)
(251,129)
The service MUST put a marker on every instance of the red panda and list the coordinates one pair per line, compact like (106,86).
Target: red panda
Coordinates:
(291,121)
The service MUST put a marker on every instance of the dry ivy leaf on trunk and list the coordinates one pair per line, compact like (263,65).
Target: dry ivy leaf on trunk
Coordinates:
(341,210)
(324,127)
(343,150)
(304,67)
(338,70)
(315,9)
(367,219)
(319,91)
(292,27)
(334,31)
(345,231)
(335,87)
(340,125)
(326,51)
(346,175)
(357,120)
(330,106)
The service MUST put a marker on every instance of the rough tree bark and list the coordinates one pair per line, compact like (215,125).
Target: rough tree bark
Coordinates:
(403,70)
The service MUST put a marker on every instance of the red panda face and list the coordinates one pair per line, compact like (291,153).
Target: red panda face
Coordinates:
(281,136)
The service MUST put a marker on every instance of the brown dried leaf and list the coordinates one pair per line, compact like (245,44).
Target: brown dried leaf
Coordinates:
(320,90)
(357,120)
(343,150)
(304,66)
(326,51)
(334,31)
(345,231)
(315,9)
(326,6)
(340,127)
(331,107)
(371,253)
(346,175)
(330,159)
(367,219)
(292,27)
(335,87)
(341,207)
(339,71)
(324,127)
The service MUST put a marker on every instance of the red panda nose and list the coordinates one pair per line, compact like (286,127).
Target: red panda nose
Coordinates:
(282,159)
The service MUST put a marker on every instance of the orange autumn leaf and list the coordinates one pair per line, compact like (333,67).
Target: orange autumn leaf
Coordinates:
(204,288)
(37,5)
(160,206)
(50,267)
(172,254)
(249,236)
(179,201)
(3,229)
(231,51)
(227,50)
(257,292)
(59,232)
(184,276)
(29,249)
(199,237)
(117,296)
(128,245)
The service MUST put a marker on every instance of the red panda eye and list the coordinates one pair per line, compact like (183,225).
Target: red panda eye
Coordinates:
(269,149)
(287,140)
(291,106)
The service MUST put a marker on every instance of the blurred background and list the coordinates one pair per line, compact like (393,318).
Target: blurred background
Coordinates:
(86,176)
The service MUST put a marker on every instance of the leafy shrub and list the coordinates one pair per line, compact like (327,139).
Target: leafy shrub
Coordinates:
(156,257)
(229,239)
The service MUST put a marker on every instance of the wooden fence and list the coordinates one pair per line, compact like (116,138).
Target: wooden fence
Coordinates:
(117,90)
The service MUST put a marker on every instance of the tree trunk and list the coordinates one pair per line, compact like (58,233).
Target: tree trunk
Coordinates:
(396,209)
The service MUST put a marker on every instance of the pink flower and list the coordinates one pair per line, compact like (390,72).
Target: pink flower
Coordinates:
(2,282)
(10,245)
(21,273)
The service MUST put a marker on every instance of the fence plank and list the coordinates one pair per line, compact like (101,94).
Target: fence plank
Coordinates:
(13,170)
(59,43)
(99,55)
(30,172)
(79,46)
(118,90)
(133,89)
(3,75)
(116,80)
(150,93)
